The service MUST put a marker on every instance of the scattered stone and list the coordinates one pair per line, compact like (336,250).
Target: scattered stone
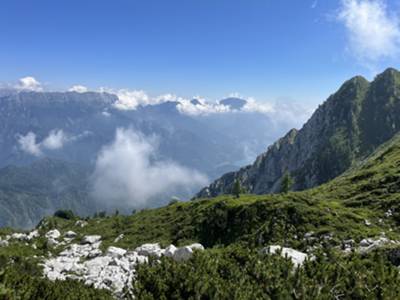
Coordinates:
(196,246)
(308,235)
(367,245)
(52,242)
(70,234)
(150,250)
(115,252)
(81,223)
(118,238)
(19,236)
(91,239)
(182,254)
(388,213)
(53,234)
(169,251)
(367,223)
(296,257)
(114,271)
(4,243)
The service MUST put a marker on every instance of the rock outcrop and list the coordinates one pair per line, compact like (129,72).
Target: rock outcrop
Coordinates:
(114,269)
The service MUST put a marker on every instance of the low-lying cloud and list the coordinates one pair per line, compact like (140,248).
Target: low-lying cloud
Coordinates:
(56,139)
(129,173)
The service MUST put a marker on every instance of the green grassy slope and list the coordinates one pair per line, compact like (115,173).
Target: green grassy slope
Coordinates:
(340,207)
(352,206)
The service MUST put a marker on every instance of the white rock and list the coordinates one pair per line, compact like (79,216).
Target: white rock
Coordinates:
(115,251)
(33,235)
(296,257)
(196,246)
(183,254)
(149,250)
(366,242)
(170,250)
(81,223)
(70,234)
(52,242)
(118,238)
(4,243)
(367,223)
(53,234)
(91,239)
(19,236)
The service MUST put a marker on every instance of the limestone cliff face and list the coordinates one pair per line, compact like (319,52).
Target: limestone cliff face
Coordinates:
(349,125)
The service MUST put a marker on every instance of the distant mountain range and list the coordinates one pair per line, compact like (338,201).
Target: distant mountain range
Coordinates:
(70,128)
(350,125)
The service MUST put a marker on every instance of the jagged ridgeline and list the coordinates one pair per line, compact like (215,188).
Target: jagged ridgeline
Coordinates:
(347,127)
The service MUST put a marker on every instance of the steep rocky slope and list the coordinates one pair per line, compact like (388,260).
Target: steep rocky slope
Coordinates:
(347,127)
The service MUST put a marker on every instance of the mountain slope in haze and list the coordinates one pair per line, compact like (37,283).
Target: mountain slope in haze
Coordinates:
(29,193)
(201,142)
(348,126)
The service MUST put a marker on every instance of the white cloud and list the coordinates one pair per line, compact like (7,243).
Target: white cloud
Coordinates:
(78,88)
(29,83)
(373,32)
(55,140)
(201,108)
(260,107)
(128,172)
(28,144)
(129,99)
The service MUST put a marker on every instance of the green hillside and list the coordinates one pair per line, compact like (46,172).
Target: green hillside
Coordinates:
(362,203)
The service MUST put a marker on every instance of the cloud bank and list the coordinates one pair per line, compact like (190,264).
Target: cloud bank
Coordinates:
(128,173)
(373,32)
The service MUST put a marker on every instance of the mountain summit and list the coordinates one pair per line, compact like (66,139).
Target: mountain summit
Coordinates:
(348,126)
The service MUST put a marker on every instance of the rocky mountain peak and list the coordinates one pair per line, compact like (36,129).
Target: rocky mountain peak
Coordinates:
(349,125)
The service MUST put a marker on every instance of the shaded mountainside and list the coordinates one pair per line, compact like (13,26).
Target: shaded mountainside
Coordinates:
(348,227)
(29,193)
(348,126)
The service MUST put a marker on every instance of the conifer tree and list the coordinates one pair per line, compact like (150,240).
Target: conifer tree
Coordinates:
(237,188)
(286,183)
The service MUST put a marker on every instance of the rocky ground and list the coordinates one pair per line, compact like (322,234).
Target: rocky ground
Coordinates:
(82,258)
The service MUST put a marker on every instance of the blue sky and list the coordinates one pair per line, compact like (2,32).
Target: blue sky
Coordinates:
(286,49)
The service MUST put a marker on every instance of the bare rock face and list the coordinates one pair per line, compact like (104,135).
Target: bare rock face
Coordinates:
(351,123)
(295,256)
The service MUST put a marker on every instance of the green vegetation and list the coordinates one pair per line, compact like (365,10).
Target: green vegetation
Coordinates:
(286,183)
(237,188)
(23,280)
(239,273)
(233,230)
